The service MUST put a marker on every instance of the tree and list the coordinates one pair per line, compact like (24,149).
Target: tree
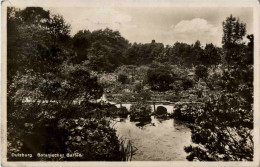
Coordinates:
(34,40)
(81,43)
(195,55)
(201,71)
(179,52)
(104,50)
(224,125)
(132,54)
(233,34)
(37,103)
(163,56)
(143,54)
(160,77)
(157,52)
(211,55)
(44,92)
(223,130)
(250,50)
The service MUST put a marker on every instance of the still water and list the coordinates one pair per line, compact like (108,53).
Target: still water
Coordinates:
(157,140)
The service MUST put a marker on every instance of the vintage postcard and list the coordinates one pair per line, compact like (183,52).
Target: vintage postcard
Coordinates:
(130,83)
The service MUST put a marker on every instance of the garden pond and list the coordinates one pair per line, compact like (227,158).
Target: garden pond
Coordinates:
(156,140)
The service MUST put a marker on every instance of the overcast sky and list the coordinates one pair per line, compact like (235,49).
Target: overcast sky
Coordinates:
(164,24)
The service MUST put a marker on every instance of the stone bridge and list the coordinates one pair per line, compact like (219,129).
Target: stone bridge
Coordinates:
(155,104)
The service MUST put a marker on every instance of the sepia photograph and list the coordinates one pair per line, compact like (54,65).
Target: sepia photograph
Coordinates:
(132,83)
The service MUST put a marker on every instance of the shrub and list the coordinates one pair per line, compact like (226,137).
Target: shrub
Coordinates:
(122,112)
(138,87)
(214,81)
(187,111)
(123,78)
(223,130)
(199,93)
(92,138)
(160,78)
(28,136)
(107,110)
(201,71)
(187,83)
(173,97)
(140,111)
(143,96)
(127,97)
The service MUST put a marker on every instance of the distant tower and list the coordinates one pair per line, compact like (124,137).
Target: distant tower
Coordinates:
(153,41)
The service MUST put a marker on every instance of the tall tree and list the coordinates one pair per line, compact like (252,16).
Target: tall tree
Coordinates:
(36,40)
(223,127)
(105,47)
(180,52)
(81,44)
(211,55)
(43,89)
(250,49)
(195,55)
(233,33)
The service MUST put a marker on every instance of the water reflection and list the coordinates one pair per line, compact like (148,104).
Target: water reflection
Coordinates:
(156,140)
(122,119)
(142,123)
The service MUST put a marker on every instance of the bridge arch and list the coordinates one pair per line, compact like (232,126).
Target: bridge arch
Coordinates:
(169,107)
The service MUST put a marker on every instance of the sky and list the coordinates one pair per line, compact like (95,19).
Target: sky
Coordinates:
(166,25)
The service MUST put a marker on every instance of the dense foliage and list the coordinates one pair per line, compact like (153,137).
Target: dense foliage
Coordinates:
(44,88)
(187,83)
(187,111)
(223,127)
(98,139)
(140,112)
(201,71)
(102,50)
(160,77)
(55,81)
(122,78)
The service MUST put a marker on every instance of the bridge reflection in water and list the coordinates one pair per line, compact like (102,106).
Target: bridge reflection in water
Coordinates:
(156,140)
